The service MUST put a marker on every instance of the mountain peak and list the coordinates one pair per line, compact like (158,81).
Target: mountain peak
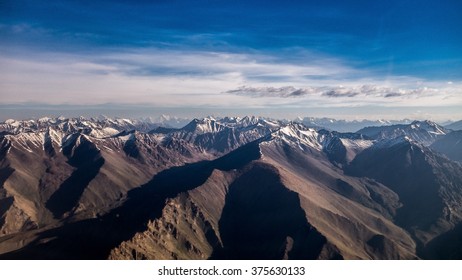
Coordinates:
(71,182)
(204,125)
(425,132)
(296,134)
(429,126)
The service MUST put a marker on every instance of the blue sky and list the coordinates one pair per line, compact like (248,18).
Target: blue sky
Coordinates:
(282,56)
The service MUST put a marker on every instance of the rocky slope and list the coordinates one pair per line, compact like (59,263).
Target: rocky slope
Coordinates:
(230,188)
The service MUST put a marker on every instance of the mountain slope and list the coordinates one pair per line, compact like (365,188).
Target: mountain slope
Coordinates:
(230,188)
(455,125)
(257,199)
(428,185)
(425,132)
(450,145)
(75,174)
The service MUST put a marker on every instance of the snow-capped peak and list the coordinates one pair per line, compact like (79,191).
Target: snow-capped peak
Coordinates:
(298,134)
(204,125)
(429,126)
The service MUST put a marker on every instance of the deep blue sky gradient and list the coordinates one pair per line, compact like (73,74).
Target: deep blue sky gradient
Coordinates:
(414,38)
(380,59)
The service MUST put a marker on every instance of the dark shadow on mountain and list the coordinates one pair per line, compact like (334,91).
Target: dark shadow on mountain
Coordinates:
(403,168)
(5,202)
(131,149)
(5,146)
(336,151)
(450,145)
(87,159)
(48,145)
(70,191)
(94,238)
(262,219)
(382,248)
(447,246)
(5,173)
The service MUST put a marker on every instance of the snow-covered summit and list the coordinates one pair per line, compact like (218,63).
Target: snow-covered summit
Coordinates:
(425,132)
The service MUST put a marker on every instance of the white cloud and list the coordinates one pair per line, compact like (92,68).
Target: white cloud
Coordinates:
(358,95)
(175,78)
(146,76)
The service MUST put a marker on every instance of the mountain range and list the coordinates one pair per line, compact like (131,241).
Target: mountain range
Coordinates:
(228,188)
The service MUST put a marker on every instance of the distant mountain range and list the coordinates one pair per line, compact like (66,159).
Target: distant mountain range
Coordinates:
(346,126)
(455,125)
(229,188)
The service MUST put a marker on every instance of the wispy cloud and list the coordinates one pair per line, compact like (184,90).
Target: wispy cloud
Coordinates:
(336,91)
(358,95)
(282,92)
(185,54)
(162,77)
(144,75)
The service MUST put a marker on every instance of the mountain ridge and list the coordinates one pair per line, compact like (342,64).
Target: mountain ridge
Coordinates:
(138,193)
